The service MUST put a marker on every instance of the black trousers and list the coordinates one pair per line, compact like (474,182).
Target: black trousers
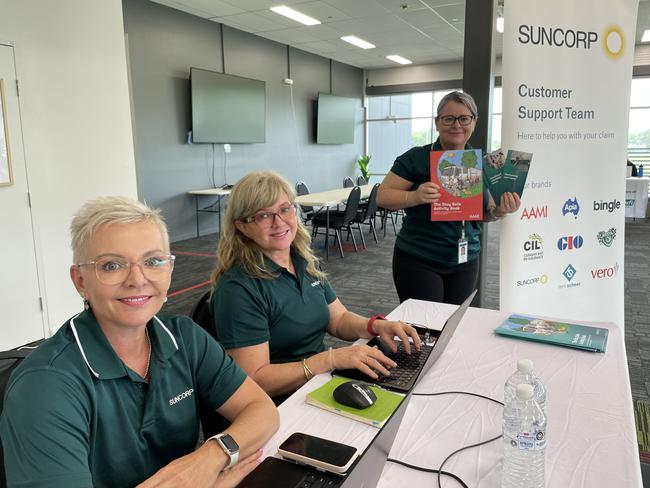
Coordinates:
(422,280)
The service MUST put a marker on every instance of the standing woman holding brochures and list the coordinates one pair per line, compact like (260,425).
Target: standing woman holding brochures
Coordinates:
(437,260)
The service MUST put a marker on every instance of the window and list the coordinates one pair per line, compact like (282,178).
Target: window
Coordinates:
(639,128)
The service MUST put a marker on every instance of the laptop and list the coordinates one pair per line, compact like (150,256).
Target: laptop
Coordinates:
(364,473)
(411,367)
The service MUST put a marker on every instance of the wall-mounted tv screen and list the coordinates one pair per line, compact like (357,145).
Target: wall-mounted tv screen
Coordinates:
(227,108)
(335,119)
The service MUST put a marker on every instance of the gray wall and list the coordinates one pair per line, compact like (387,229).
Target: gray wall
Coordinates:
(163,44)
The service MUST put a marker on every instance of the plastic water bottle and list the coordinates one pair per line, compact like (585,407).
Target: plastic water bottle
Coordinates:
(524,374)
(640,172)
(524,441)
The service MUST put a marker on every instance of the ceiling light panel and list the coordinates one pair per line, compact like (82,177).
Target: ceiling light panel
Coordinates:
(295,15)
(358,42)
(396,58)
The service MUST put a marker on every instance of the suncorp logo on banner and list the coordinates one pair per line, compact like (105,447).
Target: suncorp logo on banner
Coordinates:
(535,280)
(612,39)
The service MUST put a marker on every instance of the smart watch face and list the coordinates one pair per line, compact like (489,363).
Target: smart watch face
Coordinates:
(229,443)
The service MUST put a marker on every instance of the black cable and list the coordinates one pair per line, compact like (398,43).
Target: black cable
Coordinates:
(439,470)
(428,470)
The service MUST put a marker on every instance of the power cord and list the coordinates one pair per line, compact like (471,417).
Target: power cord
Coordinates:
(440,471)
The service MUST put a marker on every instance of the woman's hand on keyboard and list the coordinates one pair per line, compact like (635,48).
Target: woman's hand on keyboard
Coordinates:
(366,359)
(388,329)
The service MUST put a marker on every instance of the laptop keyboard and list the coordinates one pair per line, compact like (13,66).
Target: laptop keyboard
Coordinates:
(317,481)
(408,365)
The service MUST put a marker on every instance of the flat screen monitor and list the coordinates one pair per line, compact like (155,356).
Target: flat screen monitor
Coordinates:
(227,108)
(335,119)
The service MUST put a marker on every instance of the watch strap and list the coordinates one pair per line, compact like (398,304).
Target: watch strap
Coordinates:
(232,456)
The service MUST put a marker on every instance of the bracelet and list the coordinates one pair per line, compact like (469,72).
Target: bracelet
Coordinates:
(371,331)
(331,356)
(305,369)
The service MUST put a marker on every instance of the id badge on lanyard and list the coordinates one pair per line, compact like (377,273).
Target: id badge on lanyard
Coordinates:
(462,245)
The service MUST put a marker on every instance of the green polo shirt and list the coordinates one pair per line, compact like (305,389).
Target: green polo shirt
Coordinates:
(289,312)
(76,416)
(436,242)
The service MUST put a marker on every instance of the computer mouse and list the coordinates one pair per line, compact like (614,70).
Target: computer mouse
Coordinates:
(355,395)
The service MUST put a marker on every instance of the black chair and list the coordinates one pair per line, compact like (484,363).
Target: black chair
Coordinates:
(348,182)
(361,180)
(366,215)
(307,212)
(340,219)
(211,422)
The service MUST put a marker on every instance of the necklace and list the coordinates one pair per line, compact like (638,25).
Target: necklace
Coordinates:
(146,372)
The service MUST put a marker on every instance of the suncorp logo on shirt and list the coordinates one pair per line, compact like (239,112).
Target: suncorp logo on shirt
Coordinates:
(174,400)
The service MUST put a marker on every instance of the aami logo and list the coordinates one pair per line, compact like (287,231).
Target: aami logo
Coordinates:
(570,242)
(542,280)
(604,272)
(535,213)
(606,237)
(569,272)
(571,206)
(609,206)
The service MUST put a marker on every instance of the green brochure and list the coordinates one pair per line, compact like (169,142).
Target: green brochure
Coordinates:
(375,415)
(515,171)
(583,337)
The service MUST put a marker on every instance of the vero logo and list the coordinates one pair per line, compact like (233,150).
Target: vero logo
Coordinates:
(608,272)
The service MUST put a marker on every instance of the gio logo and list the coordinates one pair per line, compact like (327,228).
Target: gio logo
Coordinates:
(606,237)
(569,272)
(535,213)
(569,242)
(571,206)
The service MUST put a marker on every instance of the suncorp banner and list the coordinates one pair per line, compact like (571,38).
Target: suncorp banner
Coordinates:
(567,70)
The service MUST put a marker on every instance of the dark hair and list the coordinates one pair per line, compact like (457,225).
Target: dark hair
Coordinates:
(458,97)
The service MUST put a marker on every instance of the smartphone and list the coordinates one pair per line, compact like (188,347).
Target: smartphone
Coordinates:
(318,452)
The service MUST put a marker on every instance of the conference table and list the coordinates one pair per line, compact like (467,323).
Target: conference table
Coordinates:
(328,199)
(591,431)
(214,207)
(636,197)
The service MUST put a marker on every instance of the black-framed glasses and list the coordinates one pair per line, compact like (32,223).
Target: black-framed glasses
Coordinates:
(265,219)
(449,120)
(113,270)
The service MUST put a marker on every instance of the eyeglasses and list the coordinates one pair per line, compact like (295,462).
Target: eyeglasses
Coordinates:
(112,270)
(449,120)
(266,219)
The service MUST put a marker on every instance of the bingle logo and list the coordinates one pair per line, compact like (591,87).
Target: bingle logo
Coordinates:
(609,206)
(569,272)
(535,213)
(571,206)
(570,242)
(606,237)
(604,272)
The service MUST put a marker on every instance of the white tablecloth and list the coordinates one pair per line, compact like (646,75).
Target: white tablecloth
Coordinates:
(636,197)
(591,433)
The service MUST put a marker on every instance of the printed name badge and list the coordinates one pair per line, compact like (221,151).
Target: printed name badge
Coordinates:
(462,251)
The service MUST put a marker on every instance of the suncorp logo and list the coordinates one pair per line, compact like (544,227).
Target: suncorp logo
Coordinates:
(535,213)
(609,206)
(571,207)
(186,394)
(570,242)
(535,280)
(609,272)
(612,38)
(533,248)
(606,237)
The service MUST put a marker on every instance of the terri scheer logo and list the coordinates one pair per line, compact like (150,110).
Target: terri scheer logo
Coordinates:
(611,38)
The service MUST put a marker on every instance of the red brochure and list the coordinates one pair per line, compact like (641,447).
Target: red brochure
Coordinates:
(460,178)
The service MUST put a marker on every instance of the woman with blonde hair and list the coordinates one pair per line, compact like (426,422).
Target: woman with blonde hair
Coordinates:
(271,304)
(112,398)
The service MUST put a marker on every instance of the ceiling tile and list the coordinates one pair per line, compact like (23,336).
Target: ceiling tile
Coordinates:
(367,25)
(421,18)
(321,46)
(358,8)
(278,19)
(452,13)
(322,11)
(253,22)
(198,7)
(397,6)
(255,5)
(439,3)
(291,36)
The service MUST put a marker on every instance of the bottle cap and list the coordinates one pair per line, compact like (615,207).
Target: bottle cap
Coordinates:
(524,392)
(525,366)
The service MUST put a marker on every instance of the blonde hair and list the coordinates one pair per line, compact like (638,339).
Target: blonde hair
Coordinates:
(257,190)
(110,210)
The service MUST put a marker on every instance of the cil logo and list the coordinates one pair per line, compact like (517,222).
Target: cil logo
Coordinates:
(533,248)
(599,273)
(570,242)
(606,237)
(571,207)
(535,213)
